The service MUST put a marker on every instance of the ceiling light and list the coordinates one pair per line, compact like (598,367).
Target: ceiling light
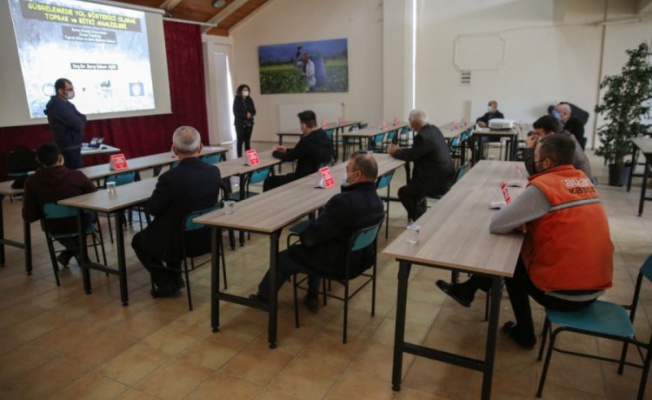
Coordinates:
(219,3)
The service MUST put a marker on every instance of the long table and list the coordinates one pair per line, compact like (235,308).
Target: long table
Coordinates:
(268,213)
(455,236)
(137,193)
(367,133)
(645,146)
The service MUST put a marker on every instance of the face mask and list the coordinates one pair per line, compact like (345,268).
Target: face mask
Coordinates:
(245,94)
(70,95)
(556,114)
(489,110)
(345,176)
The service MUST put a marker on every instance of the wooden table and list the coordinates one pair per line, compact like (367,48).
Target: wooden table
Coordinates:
(7,190)
(367,133)
(645,146)
(337,126)
(455,236)
(104,149)
(155,161)
(268,213)
(478,148)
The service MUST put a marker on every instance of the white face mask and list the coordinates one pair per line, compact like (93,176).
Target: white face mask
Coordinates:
(70,95)
(345,176)
(245,93)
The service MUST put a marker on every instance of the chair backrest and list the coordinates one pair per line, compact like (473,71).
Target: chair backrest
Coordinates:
(365,236)
(363,126)
(57,211)
(189,225)
(455,142)
(384,180)
(404,130)
(122,179)
(329,132)
(211,159)
(461,171)
(259,175)
(379,139)
(21,160)
(390,135)
(646,268)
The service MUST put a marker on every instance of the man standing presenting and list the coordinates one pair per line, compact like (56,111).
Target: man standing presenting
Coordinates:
(566,260)
(313,151)
(193,185)
(573,125)
(324,243)
(52,183)
(66,123)
(433,166)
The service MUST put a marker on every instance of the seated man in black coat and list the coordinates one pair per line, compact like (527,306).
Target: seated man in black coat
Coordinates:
(434,171)
(325,242)
(193,185)
(311,153)
(492,112)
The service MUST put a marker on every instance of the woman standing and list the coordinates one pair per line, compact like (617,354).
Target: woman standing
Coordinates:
(244,112)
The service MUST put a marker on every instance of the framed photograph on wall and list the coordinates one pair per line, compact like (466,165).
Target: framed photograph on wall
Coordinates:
(318,66)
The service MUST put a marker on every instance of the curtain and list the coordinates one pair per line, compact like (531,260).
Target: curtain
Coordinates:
(139,136)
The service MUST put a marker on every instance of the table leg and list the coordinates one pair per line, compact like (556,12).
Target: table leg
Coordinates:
(27,242)
(280,143)
(273,293)
(644,187)
(86,273)
(631,171)
(2,234)
(399,331)
(336,136)
(122,263)
(215,279)
(490,352)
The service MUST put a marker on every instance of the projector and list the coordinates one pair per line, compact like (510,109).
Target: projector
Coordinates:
(501,124)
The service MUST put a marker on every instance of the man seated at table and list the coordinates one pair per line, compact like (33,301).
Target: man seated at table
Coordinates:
(325,242)
(566,259)
(312,152)
(52,183)
(548,125)
(492,112)
(434,171)
(193,185)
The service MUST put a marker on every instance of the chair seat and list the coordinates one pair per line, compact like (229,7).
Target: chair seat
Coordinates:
(600,317)
(298,228)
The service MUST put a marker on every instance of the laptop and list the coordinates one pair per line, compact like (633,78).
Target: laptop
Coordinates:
(96,142)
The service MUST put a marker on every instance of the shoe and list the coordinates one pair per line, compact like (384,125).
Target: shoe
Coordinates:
(169,290)
(510,329)
(452,290)
(179,282)
(64,258)
(257,297)
(312,302)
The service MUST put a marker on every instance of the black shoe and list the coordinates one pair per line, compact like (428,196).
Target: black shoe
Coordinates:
(169,290)
(510,329)
(179,282)
(453,291)
(257,297)
(64,257)
(312,302)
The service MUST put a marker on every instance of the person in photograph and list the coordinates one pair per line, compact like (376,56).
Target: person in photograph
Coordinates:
(243,112)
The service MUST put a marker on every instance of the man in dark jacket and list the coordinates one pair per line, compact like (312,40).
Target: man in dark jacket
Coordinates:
(324,243)
(569,123)
(434,171)
(66,123)
(492,113)
(193,185)
(52,183)
(312,152)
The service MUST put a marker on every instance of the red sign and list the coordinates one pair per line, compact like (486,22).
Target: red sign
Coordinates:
(341,121)
(252,157)
(503,187)
(327,176)
(384,124)
(397,121)
(118,162)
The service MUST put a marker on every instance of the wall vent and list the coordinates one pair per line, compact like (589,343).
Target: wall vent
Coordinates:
(465,77)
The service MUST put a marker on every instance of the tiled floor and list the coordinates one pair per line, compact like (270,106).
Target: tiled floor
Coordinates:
(60,343)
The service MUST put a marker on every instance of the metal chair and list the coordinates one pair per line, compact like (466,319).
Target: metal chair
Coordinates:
(381,183)
(602,319)
(186,251)
(212,158)
(362,239)
(255,177)
(53,216)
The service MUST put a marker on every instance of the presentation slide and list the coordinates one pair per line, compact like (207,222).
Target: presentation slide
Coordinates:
(103,50)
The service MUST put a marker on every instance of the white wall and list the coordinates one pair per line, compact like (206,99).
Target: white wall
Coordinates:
(286,21)
(541,60)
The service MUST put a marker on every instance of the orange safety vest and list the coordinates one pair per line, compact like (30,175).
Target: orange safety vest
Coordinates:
(570,247)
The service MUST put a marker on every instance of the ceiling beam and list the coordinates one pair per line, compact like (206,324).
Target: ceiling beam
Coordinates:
(168,5)
(225,13)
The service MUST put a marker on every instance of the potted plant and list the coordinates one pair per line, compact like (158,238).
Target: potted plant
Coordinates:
(624,103)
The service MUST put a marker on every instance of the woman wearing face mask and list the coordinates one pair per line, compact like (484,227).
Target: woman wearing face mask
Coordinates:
(244,112)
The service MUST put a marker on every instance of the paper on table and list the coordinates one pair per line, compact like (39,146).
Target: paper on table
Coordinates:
(517,183)
(497,204)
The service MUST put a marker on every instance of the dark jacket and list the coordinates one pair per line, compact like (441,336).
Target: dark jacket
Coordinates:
(240,109)
(313,151)
(489,116)
(193,185)
(325,242)
(434,171)
(581,160)
(66,123)
(49,185)
(575,126)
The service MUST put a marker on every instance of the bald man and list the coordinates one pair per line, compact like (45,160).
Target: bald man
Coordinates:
(569,123)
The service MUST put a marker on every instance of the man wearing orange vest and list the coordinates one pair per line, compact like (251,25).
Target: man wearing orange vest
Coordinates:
(566,259)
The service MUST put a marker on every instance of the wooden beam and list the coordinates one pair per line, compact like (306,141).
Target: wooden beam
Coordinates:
(644,6)
(168,5)
(226,11)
